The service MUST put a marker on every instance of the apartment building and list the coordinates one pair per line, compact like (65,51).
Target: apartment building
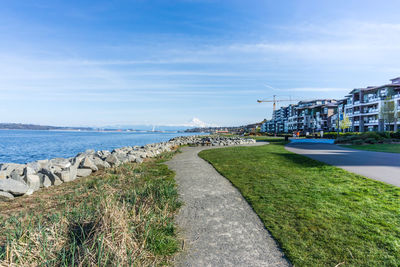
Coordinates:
(278,123)
(306,116)
(374,108)
(337,115)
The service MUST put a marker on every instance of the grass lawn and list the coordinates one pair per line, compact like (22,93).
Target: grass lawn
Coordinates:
(392,148)
(119,217)
(319,214)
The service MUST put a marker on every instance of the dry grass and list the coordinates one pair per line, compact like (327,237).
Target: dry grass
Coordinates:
(120,217)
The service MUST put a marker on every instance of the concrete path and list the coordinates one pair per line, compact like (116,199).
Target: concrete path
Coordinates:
(380,166)
(219,226)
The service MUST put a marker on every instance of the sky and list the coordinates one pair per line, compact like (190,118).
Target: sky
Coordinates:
(127,62)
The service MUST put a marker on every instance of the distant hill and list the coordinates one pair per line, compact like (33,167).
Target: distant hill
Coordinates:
(147,128)
(21,126)
(234,129)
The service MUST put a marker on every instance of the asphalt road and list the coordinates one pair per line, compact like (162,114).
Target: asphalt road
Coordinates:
(219,227)
(380,166)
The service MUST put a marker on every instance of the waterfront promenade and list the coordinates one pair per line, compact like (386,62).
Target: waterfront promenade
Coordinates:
(219,226)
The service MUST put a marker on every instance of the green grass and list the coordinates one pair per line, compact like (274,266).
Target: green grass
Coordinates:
(319,214)
(392,148)
(121,217)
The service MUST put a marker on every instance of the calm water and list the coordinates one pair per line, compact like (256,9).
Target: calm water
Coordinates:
(22,146)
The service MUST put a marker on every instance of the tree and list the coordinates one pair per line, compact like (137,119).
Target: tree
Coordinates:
(345,123)
(388,113)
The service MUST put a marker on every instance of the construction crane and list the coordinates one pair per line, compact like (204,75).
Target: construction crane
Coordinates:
(274,101)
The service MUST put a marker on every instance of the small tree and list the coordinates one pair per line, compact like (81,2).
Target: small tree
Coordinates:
(345,123)
(388,113)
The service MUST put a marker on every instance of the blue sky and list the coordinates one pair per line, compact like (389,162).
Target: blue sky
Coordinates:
(165,62)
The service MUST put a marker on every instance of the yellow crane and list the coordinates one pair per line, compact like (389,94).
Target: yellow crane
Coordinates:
(274,101)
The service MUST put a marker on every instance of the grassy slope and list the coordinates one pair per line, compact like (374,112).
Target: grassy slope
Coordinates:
(122,217)
(392,148)
(320,215)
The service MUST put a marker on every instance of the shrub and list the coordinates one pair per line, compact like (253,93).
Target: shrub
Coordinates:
(370,141)
(348,139)
(330,135)
(374,135)
(354,137)
(384,134)
(395,135)
(341,139)
(357,142)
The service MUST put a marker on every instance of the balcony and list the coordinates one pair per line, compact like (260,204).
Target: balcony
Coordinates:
(356,123)
(348,106)
(356,112)
(372,100)
(371,111)
(371,122)
(357,102)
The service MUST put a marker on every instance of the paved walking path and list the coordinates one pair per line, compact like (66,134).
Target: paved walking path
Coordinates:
(380,166)
(219,226)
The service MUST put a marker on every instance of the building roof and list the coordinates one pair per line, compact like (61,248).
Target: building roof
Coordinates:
(331,104)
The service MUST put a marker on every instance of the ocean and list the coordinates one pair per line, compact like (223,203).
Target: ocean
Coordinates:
(22,146)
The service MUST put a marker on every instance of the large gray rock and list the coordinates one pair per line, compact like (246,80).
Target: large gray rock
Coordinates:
(5,196)
(76,161)
(103,154)
(131,158)
(43,163)
(29,170)
(90,152)
(7,168)
(87,163)
(73,171)
(44,180)
(112,160)
(122,157)
(34,167)
(83,172)
(141,154)
(67,175)
(100,164)
(14,187)
(32,181)
(15,175)
(50,173)
(60,162)
(139,160)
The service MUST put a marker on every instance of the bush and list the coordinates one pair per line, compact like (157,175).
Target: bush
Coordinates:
(339,140)
(354,137)
(370,141)
(357,142)
(384,134)
(395,135)
(330,135)
(374,135)
(335,135)
(387,141)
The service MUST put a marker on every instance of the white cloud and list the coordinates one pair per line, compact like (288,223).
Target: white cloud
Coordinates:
(317,89)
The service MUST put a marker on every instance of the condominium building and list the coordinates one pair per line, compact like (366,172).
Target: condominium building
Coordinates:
(306,116)
(374,108)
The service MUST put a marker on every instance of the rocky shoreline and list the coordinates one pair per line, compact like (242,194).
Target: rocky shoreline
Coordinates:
(24,179)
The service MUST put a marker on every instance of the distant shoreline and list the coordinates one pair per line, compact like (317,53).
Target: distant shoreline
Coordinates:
(117,128)
(94,130)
